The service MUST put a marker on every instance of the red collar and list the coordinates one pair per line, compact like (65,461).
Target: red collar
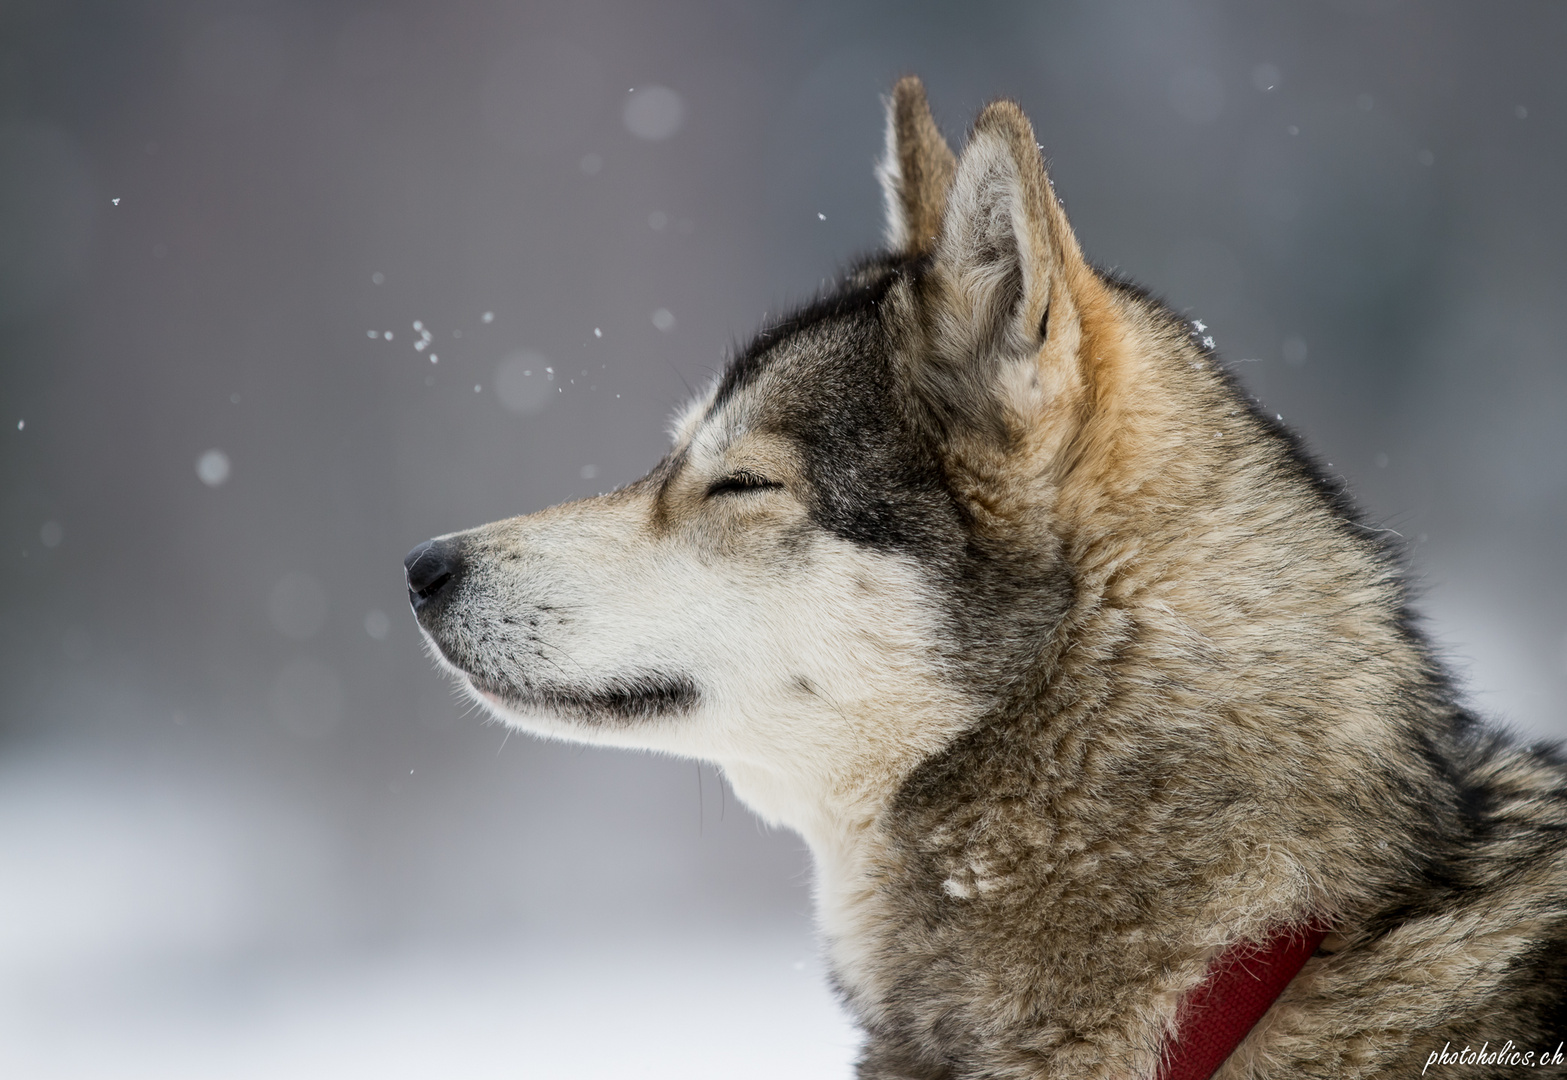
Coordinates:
(1243,981)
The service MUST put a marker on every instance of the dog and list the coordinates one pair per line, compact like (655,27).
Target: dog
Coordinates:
(1095,698)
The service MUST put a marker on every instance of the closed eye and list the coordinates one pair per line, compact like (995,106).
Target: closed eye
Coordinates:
(739,482)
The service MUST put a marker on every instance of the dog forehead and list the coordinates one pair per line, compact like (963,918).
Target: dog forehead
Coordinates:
(791,372)
(718,427)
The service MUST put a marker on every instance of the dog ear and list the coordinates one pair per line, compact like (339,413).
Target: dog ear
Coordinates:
(1005,249)
(915,171)
(1003,299)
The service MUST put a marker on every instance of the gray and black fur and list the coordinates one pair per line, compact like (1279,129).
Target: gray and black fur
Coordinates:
(1166,696)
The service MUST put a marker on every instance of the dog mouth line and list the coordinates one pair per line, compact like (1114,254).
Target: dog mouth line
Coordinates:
(624,699)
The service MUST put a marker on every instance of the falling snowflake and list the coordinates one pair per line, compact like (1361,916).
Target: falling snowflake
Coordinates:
(212,467)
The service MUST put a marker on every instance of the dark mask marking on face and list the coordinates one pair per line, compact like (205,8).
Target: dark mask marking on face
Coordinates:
(866,287)
(833,382)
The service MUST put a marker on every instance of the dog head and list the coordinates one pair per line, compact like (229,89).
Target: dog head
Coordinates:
(851,552)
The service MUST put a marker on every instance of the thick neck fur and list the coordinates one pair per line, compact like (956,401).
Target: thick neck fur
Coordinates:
(1085,856)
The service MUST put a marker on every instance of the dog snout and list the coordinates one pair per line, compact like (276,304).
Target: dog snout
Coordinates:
(433,569)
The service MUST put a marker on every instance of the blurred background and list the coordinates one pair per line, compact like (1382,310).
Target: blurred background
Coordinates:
(287,287)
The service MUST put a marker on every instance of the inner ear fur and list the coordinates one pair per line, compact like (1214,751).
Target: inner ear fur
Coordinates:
(1005,253)
(1002,294)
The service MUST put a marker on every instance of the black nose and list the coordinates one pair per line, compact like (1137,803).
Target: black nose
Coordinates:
(433,569)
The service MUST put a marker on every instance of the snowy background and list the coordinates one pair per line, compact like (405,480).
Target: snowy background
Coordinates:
(287,287)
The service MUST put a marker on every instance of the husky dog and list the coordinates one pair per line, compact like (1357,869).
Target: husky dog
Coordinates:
(1073,669)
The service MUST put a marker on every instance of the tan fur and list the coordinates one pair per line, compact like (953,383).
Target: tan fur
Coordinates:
(1162,699)
(1224,627)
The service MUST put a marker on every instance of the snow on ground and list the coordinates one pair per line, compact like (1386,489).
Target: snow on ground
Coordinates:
(690,1008)
(150,928)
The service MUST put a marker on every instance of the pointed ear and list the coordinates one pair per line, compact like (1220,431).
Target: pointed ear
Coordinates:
(1006,260)
(915,172)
